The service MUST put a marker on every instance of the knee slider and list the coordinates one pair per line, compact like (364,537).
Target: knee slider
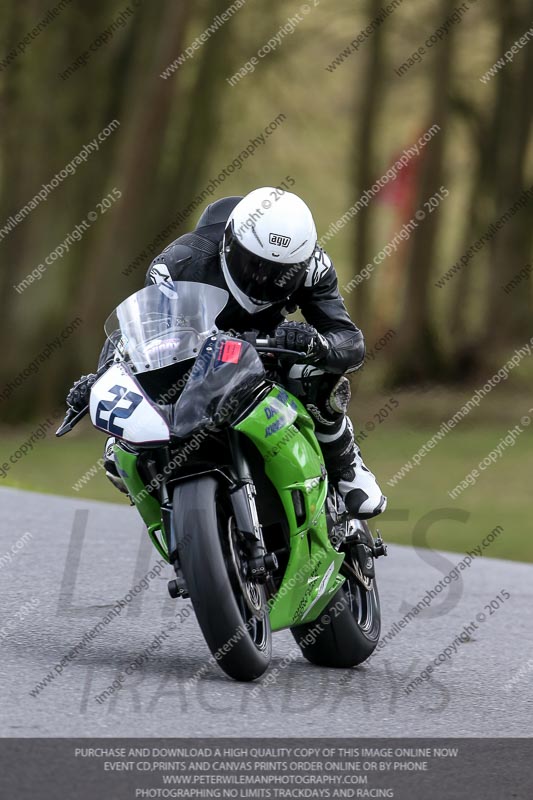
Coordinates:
(340,396)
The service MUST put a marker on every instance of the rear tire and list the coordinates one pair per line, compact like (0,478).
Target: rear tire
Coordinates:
(350,627)
(232,613)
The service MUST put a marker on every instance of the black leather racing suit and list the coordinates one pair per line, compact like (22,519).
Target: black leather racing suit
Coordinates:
(195,257)
(323,389)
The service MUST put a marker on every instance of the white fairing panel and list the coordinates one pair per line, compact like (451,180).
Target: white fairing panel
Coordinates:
(119,407)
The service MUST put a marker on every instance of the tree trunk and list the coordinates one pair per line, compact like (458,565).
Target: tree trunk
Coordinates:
(418,358)
(142,135)
(365,160)
(508,314)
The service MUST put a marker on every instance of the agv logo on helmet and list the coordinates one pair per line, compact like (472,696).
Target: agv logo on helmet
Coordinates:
(279,240)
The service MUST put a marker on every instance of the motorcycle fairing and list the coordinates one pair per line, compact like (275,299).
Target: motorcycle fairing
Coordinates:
(120,408)
(282,431)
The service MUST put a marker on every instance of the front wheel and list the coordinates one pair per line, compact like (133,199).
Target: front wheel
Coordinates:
(347,632)
(231,610)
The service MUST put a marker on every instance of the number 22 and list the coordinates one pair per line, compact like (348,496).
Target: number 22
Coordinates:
(115,413)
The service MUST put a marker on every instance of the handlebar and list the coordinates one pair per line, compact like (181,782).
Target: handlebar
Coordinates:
(266,341)
(267,344)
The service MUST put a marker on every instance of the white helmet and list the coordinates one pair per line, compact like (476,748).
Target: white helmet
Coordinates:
(267,247)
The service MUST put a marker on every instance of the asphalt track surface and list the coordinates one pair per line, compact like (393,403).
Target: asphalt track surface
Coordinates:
(50,597)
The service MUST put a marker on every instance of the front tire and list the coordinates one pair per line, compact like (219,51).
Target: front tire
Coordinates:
(231,611)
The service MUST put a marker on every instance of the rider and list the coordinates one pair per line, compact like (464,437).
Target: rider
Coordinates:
(263,249)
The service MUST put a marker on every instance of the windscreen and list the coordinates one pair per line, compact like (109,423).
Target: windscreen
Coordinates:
(164,323)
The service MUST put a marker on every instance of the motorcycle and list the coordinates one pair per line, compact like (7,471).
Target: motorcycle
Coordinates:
(223,466)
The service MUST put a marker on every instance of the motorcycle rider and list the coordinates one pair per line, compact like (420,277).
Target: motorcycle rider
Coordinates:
(263,249)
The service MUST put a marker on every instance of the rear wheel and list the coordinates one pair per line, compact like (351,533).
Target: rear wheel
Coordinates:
(231,610)
(350,624)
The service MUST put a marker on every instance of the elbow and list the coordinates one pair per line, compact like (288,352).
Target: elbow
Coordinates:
(347,352)
(357,352)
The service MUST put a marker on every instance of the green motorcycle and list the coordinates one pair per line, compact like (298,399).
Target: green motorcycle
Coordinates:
(224,468)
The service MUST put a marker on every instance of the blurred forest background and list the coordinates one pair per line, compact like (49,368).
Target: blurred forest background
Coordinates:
(341,129)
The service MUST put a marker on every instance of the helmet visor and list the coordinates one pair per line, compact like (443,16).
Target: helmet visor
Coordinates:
(258,278)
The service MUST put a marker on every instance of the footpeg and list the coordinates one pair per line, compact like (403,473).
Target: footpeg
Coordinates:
(380,548)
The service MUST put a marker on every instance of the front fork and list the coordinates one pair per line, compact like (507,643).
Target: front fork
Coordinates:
(260,564)
(242,498)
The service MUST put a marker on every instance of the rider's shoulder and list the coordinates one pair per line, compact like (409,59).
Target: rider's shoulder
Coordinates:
(176,252)
(320,269)
(168,265)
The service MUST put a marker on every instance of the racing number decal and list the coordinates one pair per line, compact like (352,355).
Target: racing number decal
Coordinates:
(110,406)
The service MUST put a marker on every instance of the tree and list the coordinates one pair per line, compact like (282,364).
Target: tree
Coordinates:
(417,355)
(146,111)
(508,315)
(365,160)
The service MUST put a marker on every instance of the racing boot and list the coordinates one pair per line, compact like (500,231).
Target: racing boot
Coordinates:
(356,484)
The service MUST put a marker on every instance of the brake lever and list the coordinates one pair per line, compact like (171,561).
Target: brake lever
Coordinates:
(72,417)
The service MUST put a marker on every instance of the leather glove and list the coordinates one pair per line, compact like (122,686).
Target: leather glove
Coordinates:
(78,397)
(303,337)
